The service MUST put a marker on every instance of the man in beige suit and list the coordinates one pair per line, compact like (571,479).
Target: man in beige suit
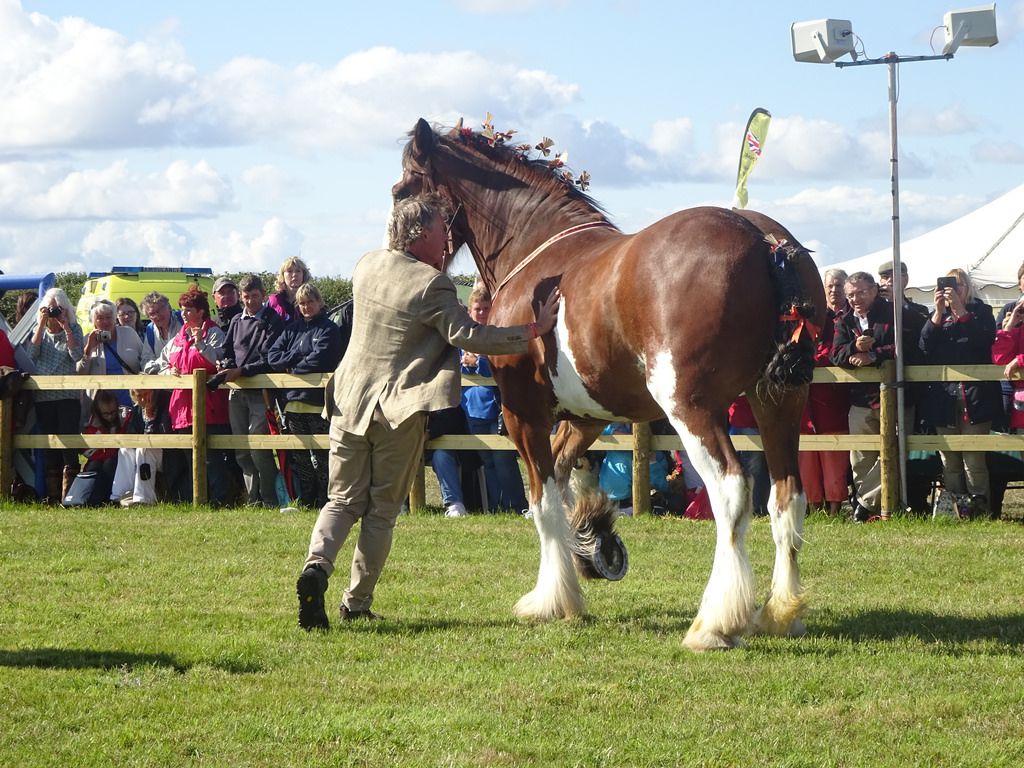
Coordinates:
(401,363)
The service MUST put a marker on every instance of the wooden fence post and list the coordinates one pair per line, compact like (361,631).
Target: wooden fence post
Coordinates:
(641,468)
(199,497)
(890,452)
(6,447)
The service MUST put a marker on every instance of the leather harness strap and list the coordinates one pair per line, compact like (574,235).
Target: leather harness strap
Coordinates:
(551,240)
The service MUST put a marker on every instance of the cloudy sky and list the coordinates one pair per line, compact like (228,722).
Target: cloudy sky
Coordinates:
(198,133)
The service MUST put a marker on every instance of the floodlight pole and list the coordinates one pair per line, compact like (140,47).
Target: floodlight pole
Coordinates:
(892,60)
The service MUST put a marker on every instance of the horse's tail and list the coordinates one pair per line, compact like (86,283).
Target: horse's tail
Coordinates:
(596,548)
(801,308)
(792,362)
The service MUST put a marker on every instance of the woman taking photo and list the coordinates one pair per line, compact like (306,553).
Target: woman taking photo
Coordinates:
(56,348)
(960,331)
(110,349)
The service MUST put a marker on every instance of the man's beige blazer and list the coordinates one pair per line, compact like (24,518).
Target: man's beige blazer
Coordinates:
(403,355)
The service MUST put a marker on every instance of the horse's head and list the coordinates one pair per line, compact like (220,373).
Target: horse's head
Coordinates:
(419,176)
(501,203)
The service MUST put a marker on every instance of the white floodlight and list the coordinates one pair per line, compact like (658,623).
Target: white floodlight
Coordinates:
(825,41)
(970,26)
(822,41)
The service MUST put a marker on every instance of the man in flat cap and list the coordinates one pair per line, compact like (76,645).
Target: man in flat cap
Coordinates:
(914,314)
(225,293)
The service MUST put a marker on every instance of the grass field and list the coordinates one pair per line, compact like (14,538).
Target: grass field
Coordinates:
(167,637)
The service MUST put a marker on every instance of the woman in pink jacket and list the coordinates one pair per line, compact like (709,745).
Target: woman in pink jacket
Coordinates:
(1008,351)
(198,345)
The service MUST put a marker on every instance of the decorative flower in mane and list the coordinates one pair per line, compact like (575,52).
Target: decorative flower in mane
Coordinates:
(544,147)
(495,138)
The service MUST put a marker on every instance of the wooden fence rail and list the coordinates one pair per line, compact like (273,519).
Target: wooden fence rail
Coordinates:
(641,442)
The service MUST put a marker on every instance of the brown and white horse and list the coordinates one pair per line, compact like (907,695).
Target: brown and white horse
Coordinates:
(676,320)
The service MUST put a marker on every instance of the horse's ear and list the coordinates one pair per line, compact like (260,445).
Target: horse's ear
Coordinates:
(454,132)
(422,140)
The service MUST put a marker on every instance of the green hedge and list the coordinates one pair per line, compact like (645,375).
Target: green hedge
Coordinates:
(335,290)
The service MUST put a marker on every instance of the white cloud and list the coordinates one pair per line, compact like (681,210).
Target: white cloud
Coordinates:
(272,183)
(671,137)
(42,247)
(144,243)
(861,205)
(802,148)
(951,121)
(797,148)
(999,152)
(236,252)
(71,84)
(40,190)
(81,247)
(842,222)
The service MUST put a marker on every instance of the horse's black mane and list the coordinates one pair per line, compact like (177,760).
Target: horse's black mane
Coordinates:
(538,171)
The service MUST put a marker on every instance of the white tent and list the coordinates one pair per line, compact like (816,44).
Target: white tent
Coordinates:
(987,242)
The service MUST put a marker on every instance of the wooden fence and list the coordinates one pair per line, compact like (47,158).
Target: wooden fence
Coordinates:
(641,442)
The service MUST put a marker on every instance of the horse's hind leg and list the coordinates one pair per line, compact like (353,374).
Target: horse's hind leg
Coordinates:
(779,423)
(571,441)
(557,594)
(728,603)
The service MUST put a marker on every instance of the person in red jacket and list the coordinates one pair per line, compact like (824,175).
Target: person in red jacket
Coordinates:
(199,344)
(6,352)
(824,474)
(1008,351)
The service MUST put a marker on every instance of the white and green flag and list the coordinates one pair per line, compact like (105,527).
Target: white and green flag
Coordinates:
(753,145)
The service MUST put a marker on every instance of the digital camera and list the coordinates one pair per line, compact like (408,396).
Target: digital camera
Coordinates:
(54,311)
(105,336)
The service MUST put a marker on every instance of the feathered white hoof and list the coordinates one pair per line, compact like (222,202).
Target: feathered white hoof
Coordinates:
(781,617)
(700,640)
(541,605)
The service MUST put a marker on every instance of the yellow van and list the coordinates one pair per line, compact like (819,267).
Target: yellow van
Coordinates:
(136,282)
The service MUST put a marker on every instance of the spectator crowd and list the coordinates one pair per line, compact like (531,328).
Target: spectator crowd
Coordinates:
(254,329)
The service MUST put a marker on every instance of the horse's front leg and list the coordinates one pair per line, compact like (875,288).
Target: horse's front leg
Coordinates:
(557,594)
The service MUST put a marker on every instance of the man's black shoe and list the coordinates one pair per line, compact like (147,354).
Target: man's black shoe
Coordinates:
(347,614)
(311,586)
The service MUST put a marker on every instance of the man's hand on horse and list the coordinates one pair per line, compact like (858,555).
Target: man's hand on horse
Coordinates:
(548,312)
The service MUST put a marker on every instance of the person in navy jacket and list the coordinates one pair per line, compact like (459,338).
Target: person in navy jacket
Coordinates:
(311,343)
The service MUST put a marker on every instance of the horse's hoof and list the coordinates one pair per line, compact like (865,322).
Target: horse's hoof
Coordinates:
(700,641)
(796,629)
(538,608)
(780,618)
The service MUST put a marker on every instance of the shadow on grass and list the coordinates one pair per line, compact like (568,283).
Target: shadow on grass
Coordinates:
(1007,629)
(400,626)
(87,658)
